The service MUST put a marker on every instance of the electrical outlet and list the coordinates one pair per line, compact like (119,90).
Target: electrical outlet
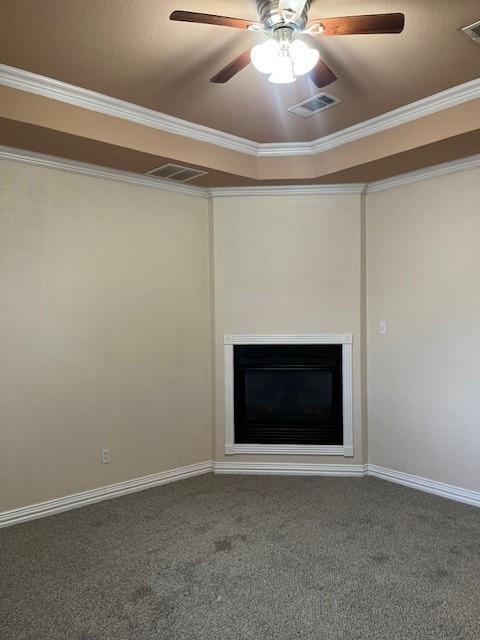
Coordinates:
(106,456)
(382,328)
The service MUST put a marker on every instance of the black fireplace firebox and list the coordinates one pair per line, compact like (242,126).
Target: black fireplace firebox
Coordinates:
(288,394)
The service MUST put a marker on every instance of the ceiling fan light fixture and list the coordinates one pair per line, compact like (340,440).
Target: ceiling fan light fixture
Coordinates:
(283,72)
(281,21)
(315,29)
(284,61)
(263,56)
(304,58)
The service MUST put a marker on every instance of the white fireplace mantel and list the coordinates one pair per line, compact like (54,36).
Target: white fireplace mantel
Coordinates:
(346,449)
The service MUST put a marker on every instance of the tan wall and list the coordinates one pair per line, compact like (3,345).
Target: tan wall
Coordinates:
(423,244)
(108,316)
(287,265)
(104,332)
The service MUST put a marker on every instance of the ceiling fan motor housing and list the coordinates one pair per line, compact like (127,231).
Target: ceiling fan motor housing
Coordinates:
(272,17)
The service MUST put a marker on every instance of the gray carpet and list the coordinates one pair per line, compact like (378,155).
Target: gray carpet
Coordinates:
(238,557)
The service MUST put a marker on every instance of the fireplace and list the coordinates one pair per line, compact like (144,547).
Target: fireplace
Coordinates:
(289,394)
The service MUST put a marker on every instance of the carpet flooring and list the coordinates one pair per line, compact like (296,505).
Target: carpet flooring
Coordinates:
(247,557)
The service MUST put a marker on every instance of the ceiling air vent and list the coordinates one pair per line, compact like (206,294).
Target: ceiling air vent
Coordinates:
(473,31)
(176,172)
(314,105)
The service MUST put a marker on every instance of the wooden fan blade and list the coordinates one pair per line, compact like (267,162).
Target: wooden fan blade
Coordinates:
(208,18)
(352,25)
(321,74)
(233,68)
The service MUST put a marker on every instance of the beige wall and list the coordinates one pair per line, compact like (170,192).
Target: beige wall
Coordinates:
(287,265)
(423,248)
(104,332)
(113,296)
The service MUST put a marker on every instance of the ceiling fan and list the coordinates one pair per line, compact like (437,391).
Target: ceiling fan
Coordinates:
(283,55)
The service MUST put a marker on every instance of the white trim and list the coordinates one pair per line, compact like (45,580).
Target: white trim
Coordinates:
(76,500)
(290,469)
(419,109)
(95,171)
(435,171)
(288,190)
(229,398)
(424,484)
(98,102)
(347,410)
(232,448)
(286,449)
(290,338)
(419,483)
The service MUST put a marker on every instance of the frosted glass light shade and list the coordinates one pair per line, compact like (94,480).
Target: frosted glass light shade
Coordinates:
(283,70)
(304,58)
(263,56)
(283,61)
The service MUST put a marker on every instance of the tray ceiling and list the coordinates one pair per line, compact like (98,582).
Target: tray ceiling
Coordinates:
(130,50)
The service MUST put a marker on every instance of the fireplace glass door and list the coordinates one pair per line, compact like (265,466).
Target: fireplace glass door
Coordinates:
(288,394)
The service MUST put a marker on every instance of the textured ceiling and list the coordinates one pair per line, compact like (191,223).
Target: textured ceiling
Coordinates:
(130,50)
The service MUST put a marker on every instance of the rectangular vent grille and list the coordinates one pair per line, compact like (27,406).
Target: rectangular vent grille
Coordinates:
(473,31)
(176,172)
(314,105)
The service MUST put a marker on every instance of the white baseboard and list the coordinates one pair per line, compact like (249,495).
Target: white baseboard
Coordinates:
(424,484)
(91,496)
(76,500)
(290,468)
(351,470)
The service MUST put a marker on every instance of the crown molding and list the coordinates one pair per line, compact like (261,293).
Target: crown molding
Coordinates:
(95,171)
(435,171)
(287,190)
(71,94)
(419,109)
(99,102)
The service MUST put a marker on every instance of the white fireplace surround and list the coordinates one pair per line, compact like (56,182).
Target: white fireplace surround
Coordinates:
(345,450)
